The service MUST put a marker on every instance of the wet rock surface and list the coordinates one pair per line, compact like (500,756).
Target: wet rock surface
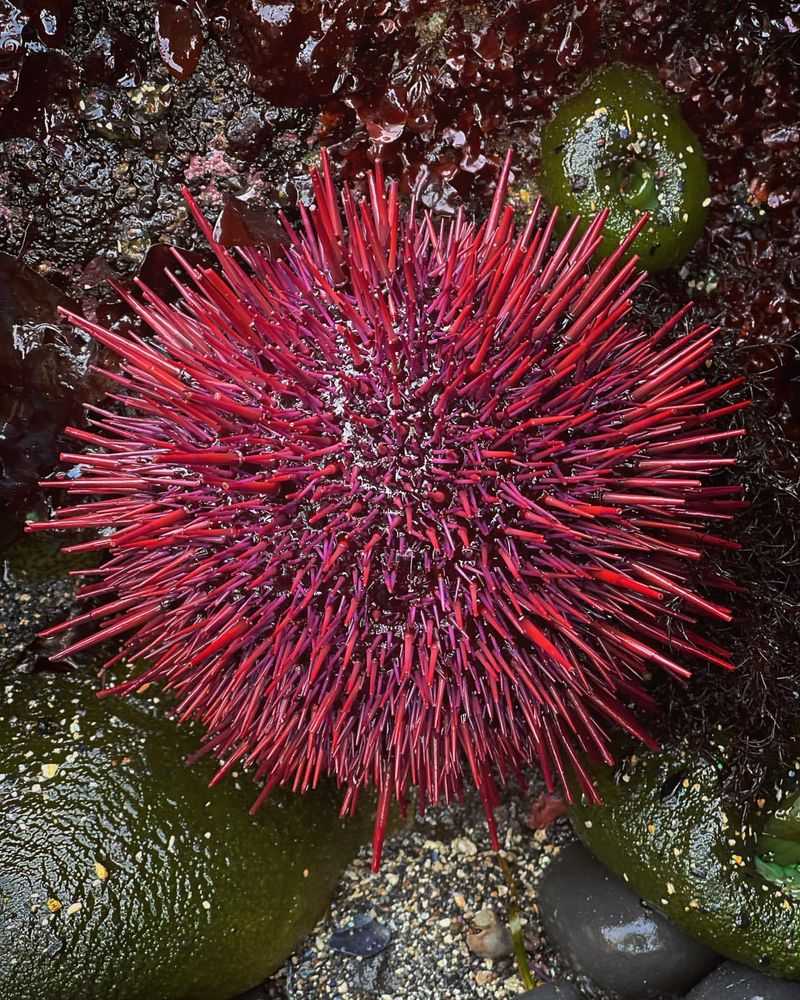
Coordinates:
(34,587)
(105,111)
(44,377)
(120,861)
(665,826)
(552,991)
(267,991)
(100,124)
(365,937)
(601,927)
(731,981)
(106,180)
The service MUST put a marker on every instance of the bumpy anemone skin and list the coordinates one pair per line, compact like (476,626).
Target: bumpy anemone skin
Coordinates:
(621,143)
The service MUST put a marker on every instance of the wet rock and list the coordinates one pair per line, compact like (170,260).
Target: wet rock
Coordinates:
(12,45)
(113,59)
(34,581)
(731,981)
(257,993)
(44,377)
(669,828)
(117,856)
(489,936)
(552,991)
(34,76)
(249,132)
(50,20)
(364,938)
(107,115)
(601,927)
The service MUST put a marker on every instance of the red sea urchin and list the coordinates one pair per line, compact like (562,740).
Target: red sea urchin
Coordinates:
(409,501)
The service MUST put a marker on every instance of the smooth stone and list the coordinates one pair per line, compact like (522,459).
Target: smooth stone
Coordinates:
(731,981)
(600,926)
(552,991)
(364,938)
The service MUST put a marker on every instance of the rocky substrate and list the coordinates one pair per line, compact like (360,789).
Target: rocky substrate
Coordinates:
(435,878)
(410,931)
(92,161)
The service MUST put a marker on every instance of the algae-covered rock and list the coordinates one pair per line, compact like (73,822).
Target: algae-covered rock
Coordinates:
(665,828)
(621,143)
(123,876)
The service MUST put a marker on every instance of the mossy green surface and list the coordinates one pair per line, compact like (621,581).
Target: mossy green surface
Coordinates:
(622,143)
(778,857)
(665,828)
(123,876)
(38,558)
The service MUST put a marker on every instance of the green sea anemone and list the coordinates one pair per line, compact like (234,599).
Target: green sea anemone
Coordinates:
(622,144)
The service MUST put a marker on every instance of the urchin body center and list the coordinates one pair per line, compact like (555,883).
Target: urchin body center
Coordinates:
(401,450)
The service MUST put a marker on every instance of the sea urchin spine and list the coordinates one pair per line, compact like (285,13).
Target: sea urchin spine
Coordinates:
(410,502)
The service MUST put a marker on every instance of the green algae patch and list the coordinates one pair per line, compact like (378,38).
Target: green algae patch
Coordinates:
(778,847)
(664,827)
(621,143)
(123,876)
(39,558)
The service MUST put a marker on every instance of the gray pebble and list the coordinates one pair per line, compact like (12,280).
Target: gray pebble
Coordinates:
(552,991)
(364,938)
(731,981)
(600,926)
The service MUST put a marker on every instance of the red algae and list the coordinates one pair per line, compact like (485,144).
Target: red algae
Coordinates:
(180,36)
